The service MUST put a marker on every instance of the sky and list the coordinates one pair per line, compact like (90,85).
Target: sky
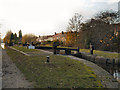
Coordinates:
(45,17)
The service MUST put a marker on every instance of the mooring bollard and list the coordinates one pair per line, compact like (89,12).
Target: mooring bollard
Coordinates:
(48,59)
(107,61)
(119,62)
(54,48)
(91,49)
(113,62)
(78,50)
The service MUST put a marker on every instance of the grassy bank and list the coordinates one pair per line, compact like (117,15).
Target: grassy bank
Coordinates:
(98,52)
(61,72)
(101,53)
(24,49)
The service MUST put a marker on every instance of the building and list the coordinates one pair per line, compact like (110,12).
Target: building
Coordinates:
(60,36)
(57,36)
(45,38)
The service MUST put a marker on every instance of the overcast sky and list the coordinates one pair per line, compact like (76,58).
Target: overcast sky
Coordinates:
(44,17)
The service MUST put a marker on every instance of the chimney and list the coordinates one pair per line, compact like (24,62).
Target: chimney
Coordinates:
(55,33)
(62,32)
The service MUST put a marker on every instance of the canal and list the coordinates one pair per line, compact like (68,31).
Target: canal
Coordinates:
(113,70)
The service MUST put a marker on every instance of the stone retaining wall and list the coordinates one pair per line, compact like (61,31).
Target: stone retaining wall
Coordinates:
(99,59)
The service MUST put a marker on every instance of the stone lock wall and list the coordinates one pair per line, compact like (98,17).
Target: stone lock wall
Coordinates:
(99,59)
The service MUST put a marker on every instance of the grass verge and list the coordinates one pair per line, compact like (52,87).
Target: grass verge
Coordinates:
(24,49)
(101,53)
(61,72)
(98,52)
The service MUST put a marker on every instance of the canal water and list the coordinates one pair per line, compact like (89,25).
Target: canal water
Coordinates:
(113,70)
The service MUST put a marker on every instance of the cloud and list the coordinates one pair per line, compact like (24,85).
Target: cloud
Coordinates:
(43,16)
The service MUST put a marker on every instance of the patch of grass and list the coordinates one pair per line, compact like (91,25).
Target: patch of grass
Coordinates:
(61,72)
(66,47)
(25,49)
(58,46)
(105,54)
(85,50)
(101,53)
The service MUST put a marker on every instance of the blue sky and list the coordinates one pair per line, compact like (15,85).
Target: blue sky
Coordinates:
(43,17)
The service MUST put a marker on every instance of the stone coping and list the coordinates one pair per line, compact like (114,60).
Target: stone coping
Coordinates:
(20,51)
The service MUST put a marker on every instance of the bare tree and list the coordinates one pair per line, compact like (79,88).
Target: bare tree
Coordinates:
(74,25)
(107,16)
(29,38)
(75,22)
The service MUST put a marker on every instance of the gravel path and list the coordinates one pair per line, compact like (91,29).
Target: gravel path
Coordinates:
(12,77)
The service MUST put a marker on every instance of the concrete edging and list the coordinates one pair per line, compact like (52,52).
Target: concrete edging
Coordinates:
(20,51)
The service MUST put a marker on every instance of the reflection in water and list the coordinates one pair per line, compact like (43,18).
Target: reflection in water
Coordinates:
(113,70)
(3,45)
(116,75)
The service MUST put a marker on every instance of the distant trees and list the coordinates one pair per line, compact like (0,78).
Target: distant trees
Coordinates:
(107,16)
(70,38)
(29,38)
(11,38)
(15,38)
(20,36)
(98,31)
(7,37)
(73,28)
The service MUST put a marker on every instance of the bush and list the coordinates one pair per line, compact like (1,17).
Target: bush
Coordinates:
(56,42)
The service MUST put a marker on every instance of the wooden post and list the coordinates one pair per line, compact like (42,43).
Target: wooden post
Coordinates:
(54,48)
(107,61)
(91,49)
(113,62)
(48,59)
(67,51)
(78,50)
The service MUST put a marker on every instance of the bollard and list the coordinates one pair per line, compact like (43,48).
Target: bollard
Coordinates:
(67,51)
(118,62)
(54,50)
(107,61)
(48,59)
(78,50)
(91,49)
(113,62)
